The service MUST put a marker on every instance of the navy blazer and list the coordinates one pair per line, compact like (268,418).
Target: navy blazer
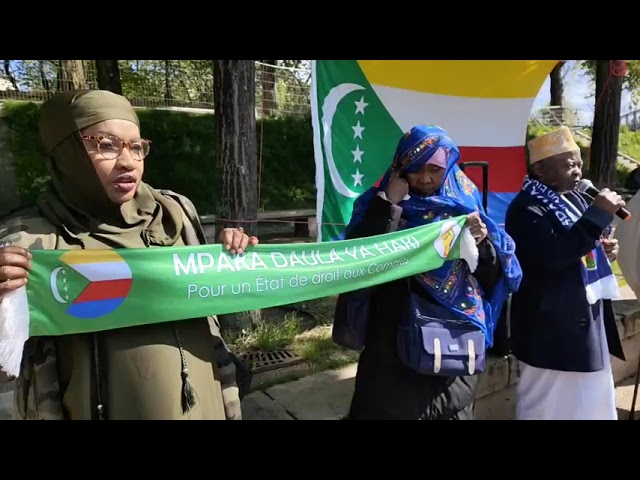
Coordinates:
(550,321)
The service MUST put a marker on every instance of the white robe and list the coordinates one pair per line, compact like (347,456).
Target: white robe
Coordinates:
(554,395)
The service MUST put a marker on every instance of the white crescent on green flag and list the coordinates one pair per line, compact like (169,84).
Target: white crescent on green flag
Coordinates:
(360,108)
(354,140)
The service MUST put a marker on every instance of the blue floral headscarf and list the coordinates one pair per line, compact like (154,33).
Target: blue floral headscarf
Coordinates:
(452,285)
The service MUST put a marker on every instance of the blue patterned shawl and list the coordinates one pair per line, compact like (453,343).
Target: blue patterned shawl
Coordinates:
(452,285)
(597,274)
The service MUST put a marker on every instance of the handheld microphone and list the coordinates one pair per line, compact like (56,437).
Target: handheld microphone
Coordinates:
(585,186)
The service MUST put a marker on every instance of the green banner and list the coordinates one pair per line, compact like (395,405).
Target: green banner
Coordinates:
(80,291)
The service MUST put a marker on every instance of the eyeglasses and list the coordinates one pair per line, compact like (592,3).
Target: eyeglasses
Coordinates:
(110,147)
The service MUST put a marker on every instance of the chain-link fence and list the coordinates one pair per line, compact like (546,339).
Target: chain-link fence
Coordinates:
(282,86)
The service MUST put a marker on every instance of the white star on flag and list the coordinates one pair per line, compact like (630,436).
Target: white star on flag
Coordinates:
(357,130)
(360,106)
(357,178)
(357,154)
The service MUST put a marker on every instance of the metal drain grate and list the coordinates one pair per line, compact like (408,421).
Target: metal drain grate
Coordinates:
(263,361)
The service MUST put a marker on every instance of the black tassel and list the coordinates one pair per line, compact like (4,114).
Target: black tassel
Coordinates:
(188,394)
(99,385)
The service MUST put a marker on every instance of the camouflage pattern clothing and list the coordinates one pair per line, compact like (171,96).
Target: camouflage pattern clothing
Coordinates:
(48,387)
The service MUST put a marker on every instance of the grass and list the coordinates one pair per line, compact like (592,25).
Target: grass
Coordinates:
(629,143)
(266,336)
(616,270)
(314,345)
(317,348)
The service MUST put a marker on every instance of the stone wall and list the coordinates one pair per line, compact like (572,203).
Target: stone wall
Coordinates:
(496,398)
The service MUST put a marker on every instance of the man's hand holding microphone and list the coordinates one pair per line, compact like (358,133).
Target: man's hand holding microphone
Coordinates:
(611,202)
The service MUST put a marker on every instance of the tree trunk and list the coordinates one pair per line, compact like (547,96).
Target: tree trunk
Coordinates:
(237,163)
(269,90)
(46,85)
(606,127)
(108,76)
(556,86)
(236,158)
(168,96)
(71,75)
(7,72)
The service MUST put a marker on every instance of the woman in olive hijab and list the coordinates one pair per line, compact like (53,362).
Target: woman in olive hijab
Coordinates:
(97,200)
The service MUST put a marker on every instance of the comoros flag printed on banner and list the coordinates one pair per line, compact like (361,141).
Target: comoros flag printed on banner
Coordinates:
(361,108)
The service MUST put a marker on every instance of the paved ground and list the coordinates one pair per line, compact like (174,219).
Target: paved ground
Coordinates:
(326,396)
(626,293)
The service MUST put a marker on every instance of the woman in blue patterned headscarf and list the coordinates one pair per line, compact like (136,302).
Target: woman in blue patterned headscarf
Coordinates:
(423,185)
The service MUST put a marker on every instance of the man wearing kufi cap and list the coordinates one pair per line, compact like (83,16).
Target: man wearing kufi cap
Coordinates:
(563,327)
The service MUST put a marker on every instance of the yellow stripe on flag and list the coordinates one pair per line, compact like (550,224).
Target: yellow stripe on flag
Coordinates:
(464,78)
(73,257)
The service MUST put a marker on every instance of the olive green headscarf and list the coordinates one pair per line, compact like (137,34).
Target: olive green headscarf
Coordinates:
(77,202)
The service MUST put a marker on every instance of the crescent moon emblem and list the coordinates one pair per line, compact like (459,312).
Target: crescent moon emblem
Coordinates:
(329,108)
(54,286)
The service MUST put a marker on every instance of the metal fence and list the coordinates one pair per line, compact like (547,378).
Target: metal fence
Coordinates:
(631,120)
(281,90)
(556,116)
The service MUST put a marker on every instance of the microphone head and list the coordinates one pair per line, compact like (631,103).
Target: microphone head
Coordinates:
(584,185)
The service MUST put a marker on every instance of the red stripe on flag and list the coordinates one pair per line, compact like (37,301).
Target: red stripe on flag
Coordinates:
(105,290)
(507,167)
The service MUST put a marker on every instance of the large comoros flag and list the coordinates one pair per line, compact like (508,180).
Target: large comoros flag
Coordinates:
(360,109)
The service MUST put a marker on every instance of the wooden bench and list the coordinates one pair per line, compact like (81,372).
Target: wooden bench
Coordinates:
(305,221)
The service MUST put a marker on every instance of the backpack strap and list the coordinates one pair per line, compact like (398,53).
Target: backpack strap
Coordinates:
(191,213)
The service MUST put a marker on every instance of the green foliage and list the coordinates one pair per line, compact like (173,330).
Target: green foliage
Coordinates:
(629,142)
(186,83)
(631,81)
(189,80)
(534,130)
(288,165)
(23,140)
(183,156)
